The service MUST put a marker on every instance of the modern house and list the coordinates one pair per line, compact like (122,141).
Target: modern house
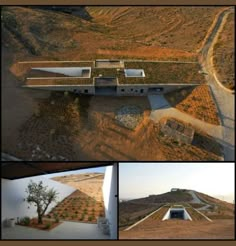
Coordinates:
(174,189)
(16,177)
(111,77)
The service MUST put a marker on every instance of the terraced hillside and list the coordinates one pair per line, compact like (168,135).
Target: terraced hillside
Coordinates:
(134,210)
(156,32)
(78,207)
(86,203)
(156,26)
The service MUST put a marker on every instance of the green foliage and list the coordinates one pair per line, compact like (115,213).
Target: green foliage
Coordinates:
(47,226)
(82,217)
(25,221)
(41,197)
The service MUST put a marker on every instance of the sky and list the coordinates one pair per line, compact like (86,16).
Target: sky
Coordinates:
(87,170)
(138,180)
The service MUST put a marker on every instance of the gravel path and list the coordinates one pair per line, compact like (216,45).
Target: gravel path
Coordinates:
(197,200)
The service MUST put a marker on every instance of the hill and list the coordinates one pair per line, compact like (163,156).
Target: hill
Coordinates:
(156,32)
(133,210)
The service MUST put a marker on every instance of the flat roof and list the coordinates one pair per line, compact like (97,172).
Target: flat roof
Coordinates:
(105,82)
(155,73)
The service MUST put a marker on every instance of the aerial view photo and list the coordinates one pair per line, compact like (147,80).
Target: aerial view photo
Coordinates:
(176,201)
(59,201)
(108,83)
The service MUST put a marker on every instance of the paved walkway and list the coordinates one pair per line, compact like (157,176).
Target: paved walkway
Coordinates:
(161,108)
(66,230)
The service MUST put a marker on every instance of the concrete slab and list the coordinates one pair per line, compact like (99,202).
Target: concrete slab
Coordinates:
(66,230)
(157,102)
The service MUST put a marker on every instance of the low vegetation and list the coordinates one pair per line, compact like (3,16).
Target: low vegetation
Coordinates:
(78,207)
(224,55)
(197,102)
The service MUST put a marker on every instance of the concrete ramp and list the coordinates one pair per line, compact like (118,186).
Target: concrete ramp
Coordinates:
(83,72)
(158,101)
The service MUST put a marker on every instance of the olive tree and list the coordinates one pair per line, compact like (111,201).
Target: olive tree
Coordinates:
(41,197)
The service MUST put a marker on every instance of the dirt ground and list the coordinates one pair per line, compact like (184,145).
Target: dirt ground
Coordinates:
(85,129)
(176,229)
(17,104)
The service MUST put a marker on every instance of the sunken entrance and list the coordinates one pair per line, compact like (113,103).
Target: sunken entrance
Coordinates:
(105,85)
(177,214)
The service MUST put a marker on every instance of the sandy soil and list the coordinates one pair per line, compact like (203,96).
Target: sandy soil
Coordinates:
(176,229)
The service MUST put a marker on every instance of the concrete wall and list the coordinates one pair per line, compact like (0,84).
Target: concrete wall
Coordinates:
(186,214)
(110,198)
(69,71)
(72,88)
(122,90)
(13,194)
(148,89)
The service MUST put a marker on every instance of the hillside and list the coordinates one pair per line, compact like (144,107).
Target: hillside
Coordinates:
(133,210)
(169,197)
(89,184)
(156,32)
(224,53)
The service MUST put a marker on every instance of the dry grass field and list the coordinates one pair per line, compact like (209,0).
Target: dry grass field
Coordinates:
(156,32)
(218,229)
(197,102)
(224,53)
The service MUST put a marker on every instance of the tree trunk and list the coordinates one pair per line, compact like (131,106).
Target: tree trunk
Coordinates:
(40,220)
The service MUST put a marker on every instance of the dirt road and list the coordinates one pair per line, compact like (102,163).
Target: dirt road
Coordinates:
(223,98)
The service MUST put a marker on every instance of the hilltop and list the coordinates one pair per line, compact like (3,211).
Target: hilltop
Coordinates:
(133,210)
(143,218)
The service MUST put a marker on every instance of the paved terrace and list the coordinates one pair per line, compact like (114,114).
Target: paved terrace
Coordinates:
(155,73)
(66,230)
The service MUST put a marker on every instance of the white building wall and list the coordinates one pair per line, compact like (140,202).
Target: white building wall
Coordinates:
(69,71)
(110,198)
(13,194)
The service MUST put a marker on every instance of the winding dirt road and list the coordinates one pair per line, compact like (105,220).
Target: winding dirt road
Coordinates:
(224,99)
